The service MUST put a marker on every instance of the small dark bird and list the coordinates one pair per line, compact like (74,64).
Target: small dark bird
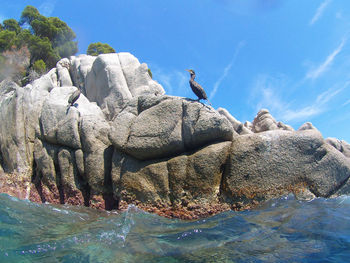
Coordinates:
(73,98)
(196,88)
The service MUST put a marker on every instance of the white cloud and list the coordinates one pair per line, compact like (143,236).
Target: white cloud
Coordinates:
(226,70)
(47,7)
(318,71)
(267,95)
(346,103)
(319,12)
(316,108)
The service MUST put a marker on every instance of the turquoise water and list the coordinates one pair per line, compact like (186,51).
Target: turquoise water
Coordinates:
(283,230)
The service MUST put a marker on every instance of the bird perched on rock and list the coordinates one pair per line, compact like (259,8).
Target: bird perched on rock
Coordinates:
(196,88)
(73,98)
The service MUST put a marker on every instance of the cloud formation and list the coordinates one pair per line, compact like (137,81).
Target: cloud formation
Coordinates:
(267,95)
(47,7)
(319,12)
(318,71)
(316,108)
(226,70)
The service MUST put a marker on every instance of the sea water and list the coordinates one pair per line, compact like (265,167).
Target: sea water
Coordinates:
(281,230)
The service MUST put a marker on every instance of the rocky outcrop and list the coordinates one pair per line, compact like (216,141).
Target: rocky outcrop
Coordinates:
(265,122)
(238,127)
(114,79)
(162,126)
(124,141)
(273,163)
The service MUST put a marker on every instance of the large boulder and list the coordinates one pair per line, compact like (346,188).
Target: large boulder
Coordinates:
(115,78)
(79,69)
(273,163)
(190,181)
(163,126)
(265,122)
(137,77)
(59,122)
(63,75)
(106,84)
(20,109)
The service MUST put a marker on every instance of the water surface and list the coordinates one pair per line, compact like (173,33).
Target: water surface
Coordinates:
(283,230)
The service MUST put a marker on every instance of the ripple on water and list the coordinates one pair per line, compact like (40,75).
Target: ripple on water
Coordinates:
(282,230)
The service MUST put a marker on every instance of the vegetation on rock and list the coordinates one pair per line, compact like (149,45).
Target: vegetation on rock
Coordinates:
(95,49)
(48,39)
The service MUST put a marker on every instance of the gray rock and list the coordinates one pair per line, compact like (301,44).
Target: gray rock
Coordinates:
(62,67)
(167,126)
(203,125)
(70,184)
(145,181)
(248,125)
(196,176)
(264,122)
(106,84)
(59,124)
(136,75)
(97,152)
(157,132)
(79,69)
(190,177)
(79,159)
(340,145)
(236,125)
(285,127)
(273,163)
(19,114)
(45,165)
(306,126)
(115,79)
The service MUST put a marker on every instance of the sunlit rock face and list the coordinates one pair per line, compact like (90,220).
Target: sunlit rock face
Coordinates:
(124,141)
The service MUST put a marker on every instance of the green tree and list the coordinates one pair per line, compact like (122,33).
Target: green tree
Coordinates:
(7,40)
(29,14)
(95,49)
(39,66)
(48,39)
(57,32)
(11,25)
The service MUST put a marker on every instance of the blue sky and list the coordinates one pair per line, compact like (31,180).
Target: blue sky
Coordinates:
(291,57)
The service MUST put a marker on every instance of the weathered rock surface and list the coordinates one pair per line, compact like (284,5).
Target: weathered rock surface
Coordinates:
(272,163)
(340,145)
(237,126)
(115,78)
(188,182)
(124,141)
(162,126)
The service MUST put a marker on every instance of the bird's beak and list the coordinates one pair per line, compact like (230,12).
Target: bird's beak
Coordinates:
(187,70)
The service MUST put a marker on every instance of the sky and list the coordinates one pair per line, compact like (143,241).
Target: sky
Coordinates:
(290,57)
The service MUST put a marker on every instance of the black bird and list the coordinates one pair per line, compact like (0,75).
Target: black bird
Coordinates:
(73,98)
(196,88)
